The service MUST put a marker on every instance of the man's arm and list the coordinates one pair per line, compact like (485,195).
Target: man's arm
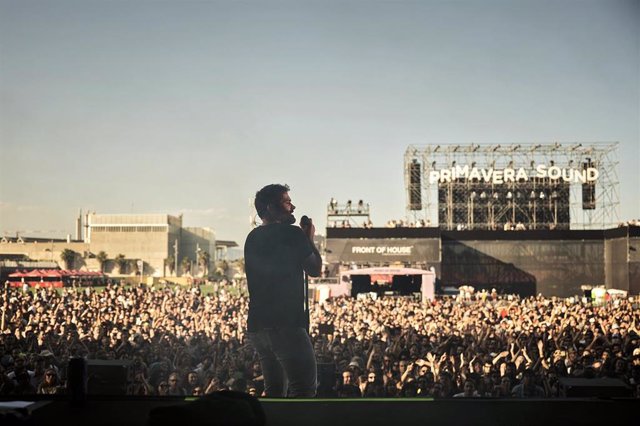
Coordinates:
(313,263)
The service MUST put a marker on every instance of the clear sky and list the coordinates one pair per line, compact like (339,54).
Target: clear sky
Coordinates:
(191,106)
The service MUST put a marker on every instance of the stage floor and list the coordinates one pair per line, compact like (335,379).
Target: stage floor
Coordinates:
(338,412)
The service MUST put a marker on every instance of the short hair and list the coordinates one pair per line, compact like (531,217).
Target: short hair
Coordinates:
(269,195)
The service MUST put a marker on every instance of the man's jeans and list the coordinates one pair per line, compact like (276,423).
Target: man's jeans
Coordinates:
(287,360)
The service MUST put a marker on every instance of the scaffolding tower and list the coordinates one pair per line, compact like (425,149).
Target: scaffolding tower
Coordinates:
(562,199)
(348,215)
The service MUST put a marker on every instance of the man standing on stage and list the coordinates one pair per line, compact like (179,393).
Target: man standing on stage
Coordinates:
(277,254)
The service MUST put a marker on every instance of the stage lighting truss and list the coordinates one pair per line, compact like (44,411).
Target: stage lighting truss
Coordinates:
(529,200)
(349,214)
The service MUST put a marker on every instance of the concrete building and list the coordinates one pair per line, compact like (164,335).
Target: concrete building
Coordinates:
(199,246)
(146,239)
(157,242)
(151,244)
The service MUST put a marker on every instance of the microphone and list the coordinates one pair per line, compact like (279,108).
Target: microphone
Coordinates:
(305,222)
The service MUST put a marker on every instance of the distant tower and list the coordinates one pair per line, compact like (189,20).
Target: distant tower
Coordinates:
(86,227)
(79,226)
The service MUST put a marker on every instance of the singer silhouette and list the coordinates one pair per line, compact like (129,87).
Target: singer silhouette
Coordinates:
(277,255)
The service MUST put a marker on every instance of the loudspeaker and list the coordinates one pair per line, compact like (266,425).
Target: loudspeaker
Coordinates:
(588,196)
(326,379)
(588,190)
(108,377)
(415,187)
(77,380)
(600,388)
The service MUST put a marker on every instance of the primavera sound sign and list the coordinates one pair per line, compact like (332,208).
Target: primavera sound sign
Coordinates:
(499,176)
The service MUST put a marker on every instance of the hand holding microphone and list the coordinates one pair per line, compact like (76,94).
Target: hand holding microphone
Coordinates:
(313,264)
(307,226)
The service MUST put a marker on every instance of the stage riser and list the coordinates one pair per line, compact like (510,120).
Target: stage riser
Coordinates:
(412,412)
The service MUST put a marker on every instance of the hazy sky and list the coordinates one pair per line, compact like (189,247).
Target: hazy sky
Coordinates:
(192,106)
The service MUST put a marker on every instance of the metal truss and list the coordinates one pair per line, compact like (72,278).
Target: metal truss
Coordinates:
(534,203)
(348,215)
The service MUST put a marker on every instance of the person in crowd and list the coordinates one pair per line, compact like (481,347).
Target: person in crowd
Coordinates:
(141,385)
(503,388)
(469,390)
(527,387)
(192,381)
(346,388)
(21,366)
(23,384)
(163,389)
(356,365)
(175,386)
(215,385)
(373,387)
(252,389)
(50,384)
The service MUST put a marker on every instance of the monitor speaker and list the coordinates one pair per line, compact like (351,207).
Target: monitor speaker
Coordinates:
(600,388)
(108,377)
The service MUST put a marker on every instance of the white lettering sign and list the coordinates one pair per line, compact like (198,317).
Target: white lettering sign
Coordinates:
(383,250)
(362,250)
(500,176)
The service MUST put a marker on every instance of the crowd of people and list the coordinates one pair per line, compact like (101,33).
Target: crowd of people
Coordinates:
(191,341)
(632,222)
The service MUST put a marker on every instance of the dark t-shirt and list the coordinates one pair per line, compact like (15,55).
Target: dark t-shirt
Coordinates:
(274,255)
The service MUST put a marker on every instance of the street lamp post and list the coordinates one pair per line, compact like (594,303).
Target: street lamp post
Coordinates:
(195,273)
(175,256)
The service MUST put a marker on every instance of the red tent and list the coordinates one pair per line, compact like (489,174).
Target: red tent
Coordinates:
(54,277)
(49,277)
